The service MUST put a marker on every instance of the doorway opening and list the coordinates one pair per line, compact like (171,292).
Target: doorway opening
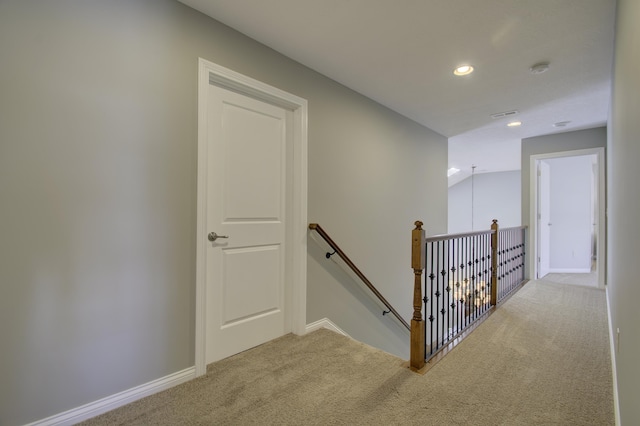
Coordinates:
(567,217)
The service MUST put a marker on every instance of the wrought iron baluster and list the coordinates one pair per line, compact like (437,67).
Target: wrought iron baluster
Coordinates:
(467,275)
(458,293)
(430,310)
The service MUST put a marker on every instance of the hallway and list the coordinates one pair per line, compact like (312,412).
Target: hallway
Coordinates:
(542,358)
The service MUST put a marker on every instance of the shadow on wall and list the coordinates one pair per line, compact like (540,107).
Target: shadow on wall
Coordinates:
(346,301)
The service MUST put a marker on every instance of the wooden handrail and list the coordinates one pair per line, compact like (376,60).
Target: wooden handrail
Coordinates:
(442,237)
(316,227)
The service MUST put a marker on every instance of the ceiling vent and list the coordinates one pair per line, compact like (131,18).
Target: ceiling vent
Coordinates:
(561,123)
(539,68)
(503,114)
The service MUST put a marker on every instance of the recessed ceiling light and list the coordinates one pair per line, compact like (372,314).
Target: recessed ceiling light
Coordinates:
(539,68)
(514,124)
(463,70)
(452,171)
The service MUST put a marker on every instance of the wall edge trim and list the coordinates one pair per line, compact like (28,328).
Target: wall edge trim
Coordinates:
(325,323)
(119,399)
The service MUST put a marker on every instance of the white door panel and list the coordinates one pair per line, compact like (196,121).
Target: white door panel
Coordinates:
(238,281)
(246,201)
(254,173)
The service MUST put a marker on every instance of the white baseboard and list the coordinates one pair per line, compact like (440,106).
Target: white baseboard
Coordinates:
(109,403)
(612,344)
(112,402)
(569,270)
(325,323)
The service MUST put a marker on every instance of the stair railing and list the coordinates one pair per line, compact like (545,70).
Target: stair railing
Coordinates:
(337,250)
(466,276)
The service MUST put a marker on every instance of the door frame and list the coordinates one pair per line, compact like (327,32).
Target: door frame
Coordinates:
(296,226)
(540,165)
(533,208)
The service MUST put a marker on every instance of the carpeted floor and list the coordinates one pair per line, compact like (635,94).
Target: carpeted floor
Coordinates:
(587,280)
(541,359)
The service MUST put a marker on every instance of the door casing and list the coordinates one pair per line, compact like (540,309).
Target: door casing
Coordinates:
(542,215)
(532,245)
(210,73)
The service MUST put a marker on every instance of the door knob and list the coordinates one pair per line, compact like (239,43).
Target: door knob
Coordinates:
(213,236)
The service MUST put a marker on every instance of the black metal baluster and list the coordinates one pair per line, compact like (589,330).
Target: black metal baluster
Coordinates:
(452,287)
(512,261)
(431,317)
(465,281)
(438,293)
(472,277)
(425,299)
(443,310)
(458,285)
(479,274)
(522,251)
(506,263)
(510,257)
(503,264)
(449,286)
(485,271)
(483,281)
(487,274)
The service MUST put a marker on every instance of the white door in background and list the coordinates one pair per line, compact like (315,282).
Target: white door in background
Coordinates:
(544,218)
(246,201)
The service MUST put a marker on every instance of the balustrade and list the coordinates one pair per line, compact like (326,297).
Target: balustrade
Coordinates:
(465,276)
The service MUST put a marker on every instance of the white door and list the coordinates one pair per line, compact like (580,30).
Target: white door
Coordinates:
(246,193)
(544,218)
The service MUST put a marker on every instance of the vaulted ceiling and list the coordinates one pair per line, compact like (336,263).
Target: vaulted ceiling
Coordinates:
(401,53)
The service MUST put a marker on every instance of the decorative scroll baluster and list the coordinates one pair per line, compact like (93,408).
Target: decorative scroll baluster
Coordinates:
(458,294)
(430,298)
(511,258)
(494,263)
(443,305)
(465,276)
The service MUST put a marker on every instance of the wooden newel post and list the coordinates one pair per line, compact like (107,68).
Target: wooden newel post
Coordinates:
(417,324)
(494,263)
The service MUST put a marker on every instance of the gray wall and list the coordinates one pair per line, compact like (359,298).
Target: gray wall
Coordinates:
(98,146)
(559,142)
(624,209)
(495,196)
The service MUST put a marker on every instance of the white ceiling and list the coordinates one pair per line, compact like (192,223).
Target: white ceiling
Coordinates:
(401,53)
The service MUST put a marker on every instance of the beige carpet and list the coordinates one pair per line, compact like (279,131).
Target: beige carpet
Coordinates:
(541,359)
(588,279)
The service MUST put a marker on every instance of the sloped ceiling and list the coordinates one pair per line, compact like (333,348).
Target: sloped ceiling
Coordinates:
(401,53)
